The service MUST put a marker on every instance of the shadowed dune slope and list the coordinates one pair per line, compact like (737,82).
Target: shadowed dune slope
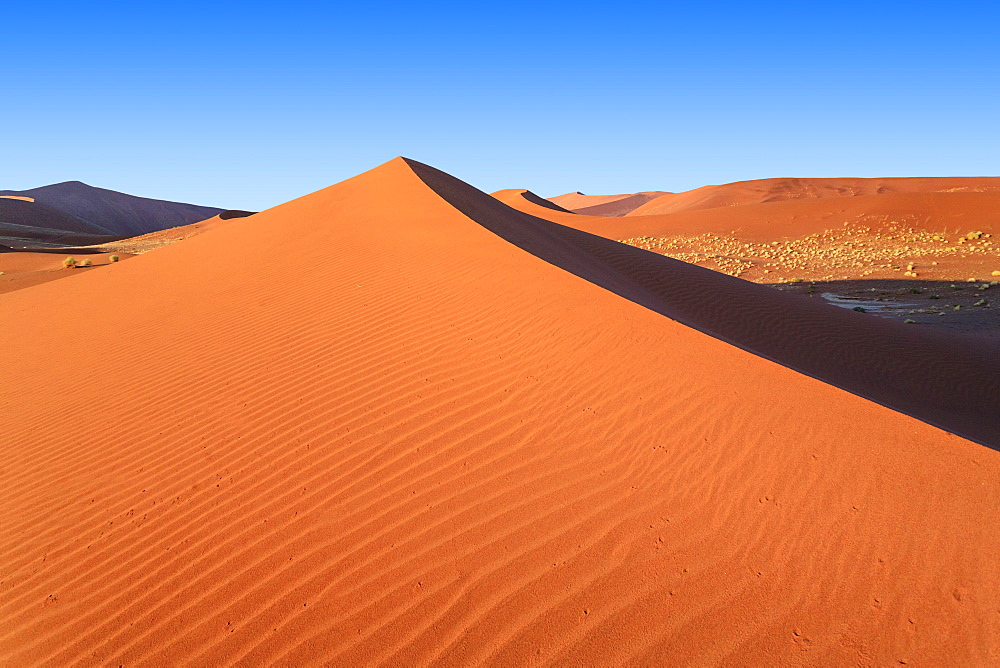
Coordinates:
(783,189)
(21,219)
(604,205)
(619,207)
(116,213)
(949,380)
(530,201)
(235,213)
(535,199)
(519,199)
(577,200)
(305,444)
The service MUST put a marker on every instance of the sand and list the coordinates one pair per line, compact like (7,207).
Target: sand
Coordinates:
(779,190)
(826,248)
(21,269)
(112,213)
(577,200)
(605,205)
(818,238)
(360,428)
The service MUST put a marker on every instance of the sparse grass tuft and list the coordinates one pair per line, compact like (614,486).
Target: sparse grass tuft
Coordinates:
(69,263)
(85,262)
(113,258)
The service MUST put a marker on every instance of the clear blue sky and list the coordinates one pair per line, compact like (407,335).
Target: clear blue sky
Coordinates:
(249,104)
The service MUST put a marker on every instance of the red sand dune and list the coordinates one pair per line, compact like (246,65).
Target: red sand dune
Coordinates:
(952,212)
(358,429)
(541,202)
(604,205)
(21,269)
(74,213)
(783,189)
(578,200)
(34,221)
(527,202)
(24,269)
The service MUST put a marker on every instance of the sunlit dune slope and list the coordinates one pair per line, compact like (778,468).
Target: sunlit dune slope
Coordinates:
(784,189)
(486,440)
(21,269)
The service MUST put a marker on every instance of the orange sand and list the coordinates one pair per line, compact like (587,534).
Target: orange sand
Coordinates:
(778,190)
(579,200)
(605,205)
(898,228)
(360,428)
(21,270)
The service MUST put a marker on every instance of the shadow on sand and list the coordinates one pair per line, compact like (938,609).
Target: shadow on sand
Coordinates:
(943,378)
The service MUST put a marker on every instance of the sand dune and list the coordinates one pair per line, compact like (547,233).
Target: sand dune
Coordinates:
(605,205)
(527,202)
(894,229)
(93,215)
(537,201)
(34,221)
(950,212)
(578,200)
(361,429)
(779,190)
(619,207)
(21,268)
(24,269)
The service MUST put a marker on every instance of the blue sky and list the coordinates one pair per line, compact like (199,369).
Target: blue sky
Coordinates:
(250,104)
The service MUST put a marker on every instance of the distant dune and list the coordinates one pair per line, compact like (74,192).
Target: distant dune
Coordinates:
(235,213)
(951,211)
(780,190)
(361,429)
(33,222)
(76,213)
(863,236)
(576,200)
(604,205)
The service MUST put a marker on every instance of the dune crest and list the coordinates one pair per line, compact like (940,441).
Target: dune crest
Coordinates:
(462,446)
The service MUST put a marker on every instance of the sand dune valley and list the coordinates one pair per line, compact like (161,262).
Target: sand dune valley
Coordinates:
(400,421)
